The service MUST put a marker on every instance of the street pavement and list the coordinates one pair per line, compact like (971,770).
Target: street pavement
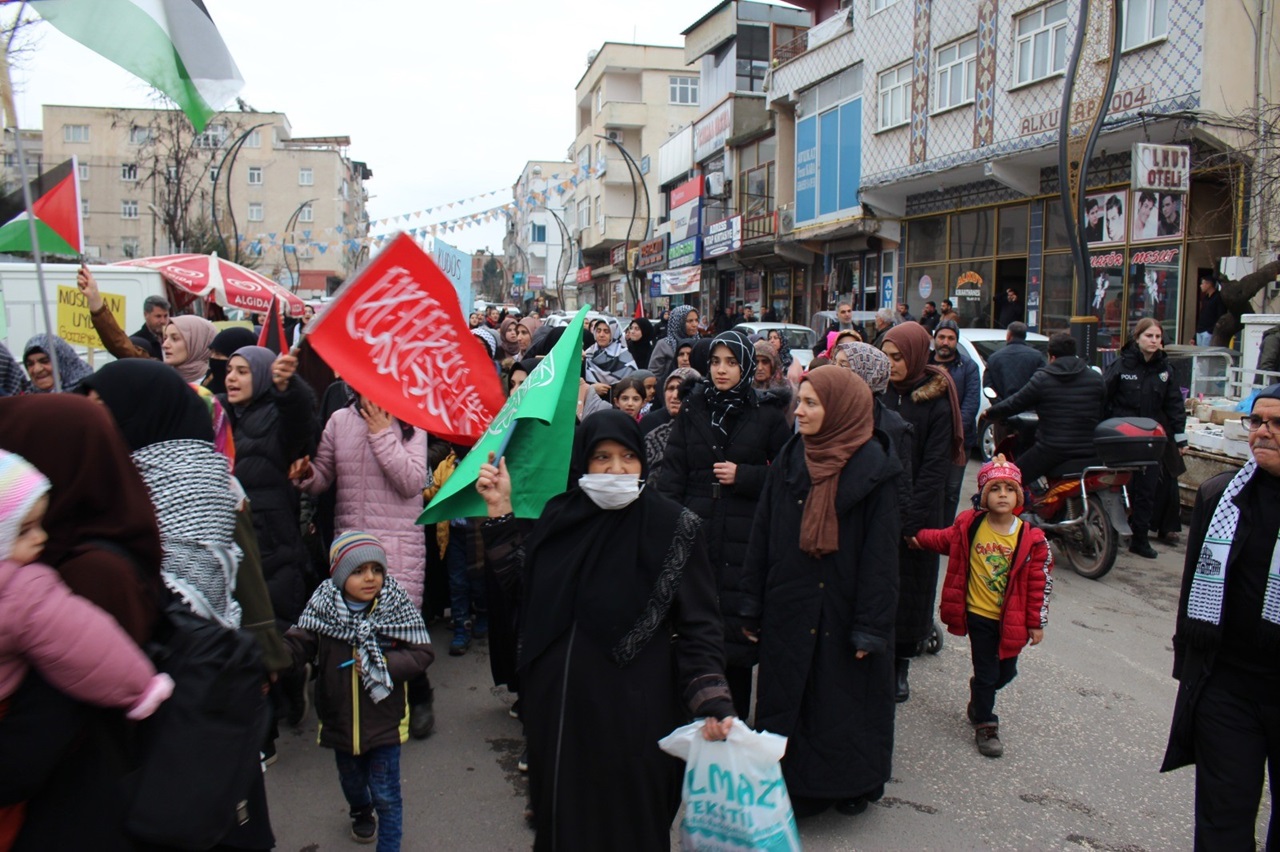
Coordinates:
(1084,726)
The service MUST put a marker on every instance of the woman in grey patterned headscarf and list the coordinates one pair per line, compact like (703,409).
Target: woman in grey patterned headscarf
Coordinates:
(869,363)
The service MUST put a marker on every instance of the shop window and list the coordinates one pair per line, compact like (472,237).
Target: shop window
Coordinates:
(1106,299)
(1040,42)
(972,233)
(1055,227)
(926,239)
(1145,21)
(1014,229)
(1155,279)
(970,289)
(1057,292)
(924,284)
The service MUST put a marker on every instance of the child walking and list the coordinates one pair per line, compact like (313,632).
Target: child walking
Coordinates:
(997,589)
(368,639)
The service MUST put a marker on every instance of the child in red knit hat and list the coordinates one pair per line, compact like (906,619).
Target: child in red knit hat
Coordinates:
(996,590)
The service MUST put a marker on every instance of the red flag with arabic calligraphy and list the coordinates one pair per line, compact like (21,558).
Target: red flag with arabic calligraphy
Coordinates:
(397,334)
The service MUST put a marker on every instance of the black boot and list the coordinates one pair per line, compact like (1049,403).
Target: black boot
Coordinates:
(422,718)
(1142,547)
(902,689)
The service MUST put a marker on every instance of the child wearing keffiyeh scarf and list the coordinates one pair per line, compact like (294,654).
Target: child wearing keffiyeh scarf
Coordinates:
(368,639)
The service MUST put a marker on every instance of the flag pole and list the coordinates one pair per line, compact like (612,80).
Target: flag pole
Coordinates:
(31,217)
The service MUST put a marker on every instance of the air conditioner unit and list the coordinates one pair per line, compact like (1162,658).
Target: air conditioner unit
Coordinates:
(715,184)
(614,135)
(786,220)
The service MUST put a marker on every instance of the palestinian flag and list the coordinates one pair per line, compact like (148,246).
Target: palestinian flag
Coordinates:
(172,44)
(55,202)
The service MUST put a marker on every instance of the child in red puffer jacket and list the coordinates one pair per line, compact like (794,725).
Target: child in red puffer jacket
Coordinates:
(997,589)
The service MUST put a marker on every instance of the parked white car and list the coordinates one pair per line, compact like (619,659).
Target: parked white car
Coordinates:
(979,344)
(799,338)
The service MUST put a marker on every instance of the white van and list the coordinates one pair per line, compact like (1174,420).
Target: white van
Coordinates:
(124,288)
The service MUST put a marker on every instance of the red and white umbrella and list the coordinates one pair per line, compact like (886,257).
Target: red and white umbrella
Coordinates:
(207,276)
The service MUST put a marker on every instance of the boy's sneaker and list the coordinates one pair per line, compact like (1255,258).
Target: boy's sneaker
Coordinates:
(461,639)
(364,825)
(988,738)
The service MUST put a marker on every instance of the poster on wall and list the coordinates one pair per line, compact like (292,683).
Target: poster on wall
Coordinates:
(1155,284)
(1156,216)
(1107,302)
(1105,217)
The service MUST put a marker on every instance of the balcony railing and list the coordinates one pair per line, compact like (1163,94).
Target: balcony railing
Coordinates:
(759,226)
(791,49)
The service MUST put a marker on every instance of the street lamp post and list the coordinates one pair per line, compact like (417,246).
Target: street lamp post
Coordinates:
(633,171)
(564,254)
(233,150)
(289,225)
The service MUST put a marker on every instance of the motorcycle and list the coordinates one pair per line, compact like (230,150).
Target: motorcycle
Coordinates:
(1084,509)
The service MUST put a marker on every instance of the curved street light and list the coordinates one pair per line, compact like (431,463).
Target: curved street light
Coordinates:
(233,150)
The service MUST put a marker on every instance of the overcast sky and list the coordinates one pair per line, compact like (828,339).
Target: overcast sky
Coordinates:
(443,100)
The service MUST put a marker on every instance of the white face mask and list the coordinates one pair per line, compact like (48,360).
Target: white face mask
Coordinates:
(611,490)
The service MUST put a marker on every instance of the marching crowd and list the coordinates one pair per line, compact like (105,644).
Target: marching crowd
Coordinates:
(740,540)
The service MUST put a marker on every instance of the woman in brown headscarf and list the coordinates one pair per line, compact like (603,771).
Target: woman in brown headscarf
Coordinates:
(67,760)
(824,597)
(924,397)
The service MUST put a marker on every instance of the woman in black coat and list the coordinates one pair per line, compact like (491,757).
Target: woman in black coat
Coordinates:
(273,421)
(822,587)
(1140,383)
(601,677)
(715,464)
(925,397)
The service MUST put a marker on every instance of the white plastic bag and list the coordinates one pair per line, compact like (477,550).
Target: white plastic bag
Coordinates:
(733,791)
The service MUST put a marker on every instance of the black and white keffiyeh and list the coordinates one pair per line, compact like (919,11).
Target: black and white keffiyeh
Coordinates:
(190,486)
(726,403)
(392,616)
(1209,583)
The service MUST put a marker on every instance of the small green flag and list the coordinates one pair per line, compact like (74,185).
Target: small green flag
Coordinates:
(545,408)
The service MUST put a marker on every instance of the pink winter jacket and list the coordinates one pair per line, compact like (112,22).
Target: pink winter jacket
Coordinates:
(380,480)
(75,646)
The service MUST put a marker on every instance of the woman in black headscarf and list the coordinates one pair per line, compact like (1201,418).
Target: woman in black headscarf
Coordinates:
(221,348)
(640,340)
(715,465)
(601,680)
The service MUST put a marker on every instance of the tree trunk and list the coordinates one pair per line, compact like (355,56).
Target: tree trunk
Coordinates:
(1236,296)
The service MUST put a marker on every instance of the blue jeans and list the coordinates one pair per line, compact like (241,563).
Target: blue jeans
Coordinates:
(373,778)
(466,587)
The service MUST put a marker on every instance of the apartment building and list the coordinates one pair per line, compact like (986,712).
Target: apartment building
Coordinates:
(918,156)
(719,174)
(295,205)
(629,101)
(538,242)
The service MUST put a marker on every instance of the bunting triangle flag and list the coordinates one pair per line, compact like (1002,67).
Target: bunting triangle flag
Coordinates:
(55,197)
(171,44)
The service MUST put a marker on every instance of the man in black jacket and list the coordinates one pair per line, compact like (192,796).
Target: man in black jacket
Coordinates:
(1226,649)
(1068,396)
(1011,366)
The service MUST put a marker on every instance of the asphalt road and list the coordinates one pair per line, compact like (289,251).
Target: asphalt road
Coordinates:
(1084,726)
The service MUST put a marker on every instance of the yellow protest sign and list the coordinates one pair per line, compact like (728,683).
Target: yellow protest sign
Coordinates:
(74,323)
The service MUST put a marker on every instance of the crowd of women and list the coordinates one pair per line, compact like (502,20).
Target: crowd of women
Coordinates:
(718,494)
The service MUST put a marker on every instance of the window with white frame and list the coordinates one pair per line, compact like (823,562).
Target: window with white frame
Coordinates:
(255,211)
(537,233)
(306,177)
(584,158)
(684,90)
(128,171)
(255,176)
(254,139)
(879,5)
(599,99)
(599,215)
(895,88)
(1040,42)
(84,171)
(306,214)
(128,209)
(955,75)
(213,137)
(75,133)
(584,214)
(84,209)
(1145,21)
(92,251)
(130,247)
(139,135)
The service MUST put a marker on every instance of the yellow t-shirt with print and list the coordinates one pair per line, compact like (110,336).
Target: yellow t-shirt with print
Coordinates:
(990,561)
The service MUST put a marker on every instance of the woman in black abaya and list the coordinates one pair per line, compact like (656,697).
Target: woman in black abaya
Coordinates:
(601,679)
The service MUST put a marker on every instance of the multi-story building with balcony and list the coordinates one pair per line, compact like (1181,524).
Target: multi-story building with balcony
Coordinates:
(297,204)
(538,241)
(918,156)
(719,174)
(629,101)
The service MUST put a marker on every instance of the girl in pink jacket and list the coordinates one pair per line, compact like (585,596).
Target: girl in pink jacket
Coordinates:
(75,646)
